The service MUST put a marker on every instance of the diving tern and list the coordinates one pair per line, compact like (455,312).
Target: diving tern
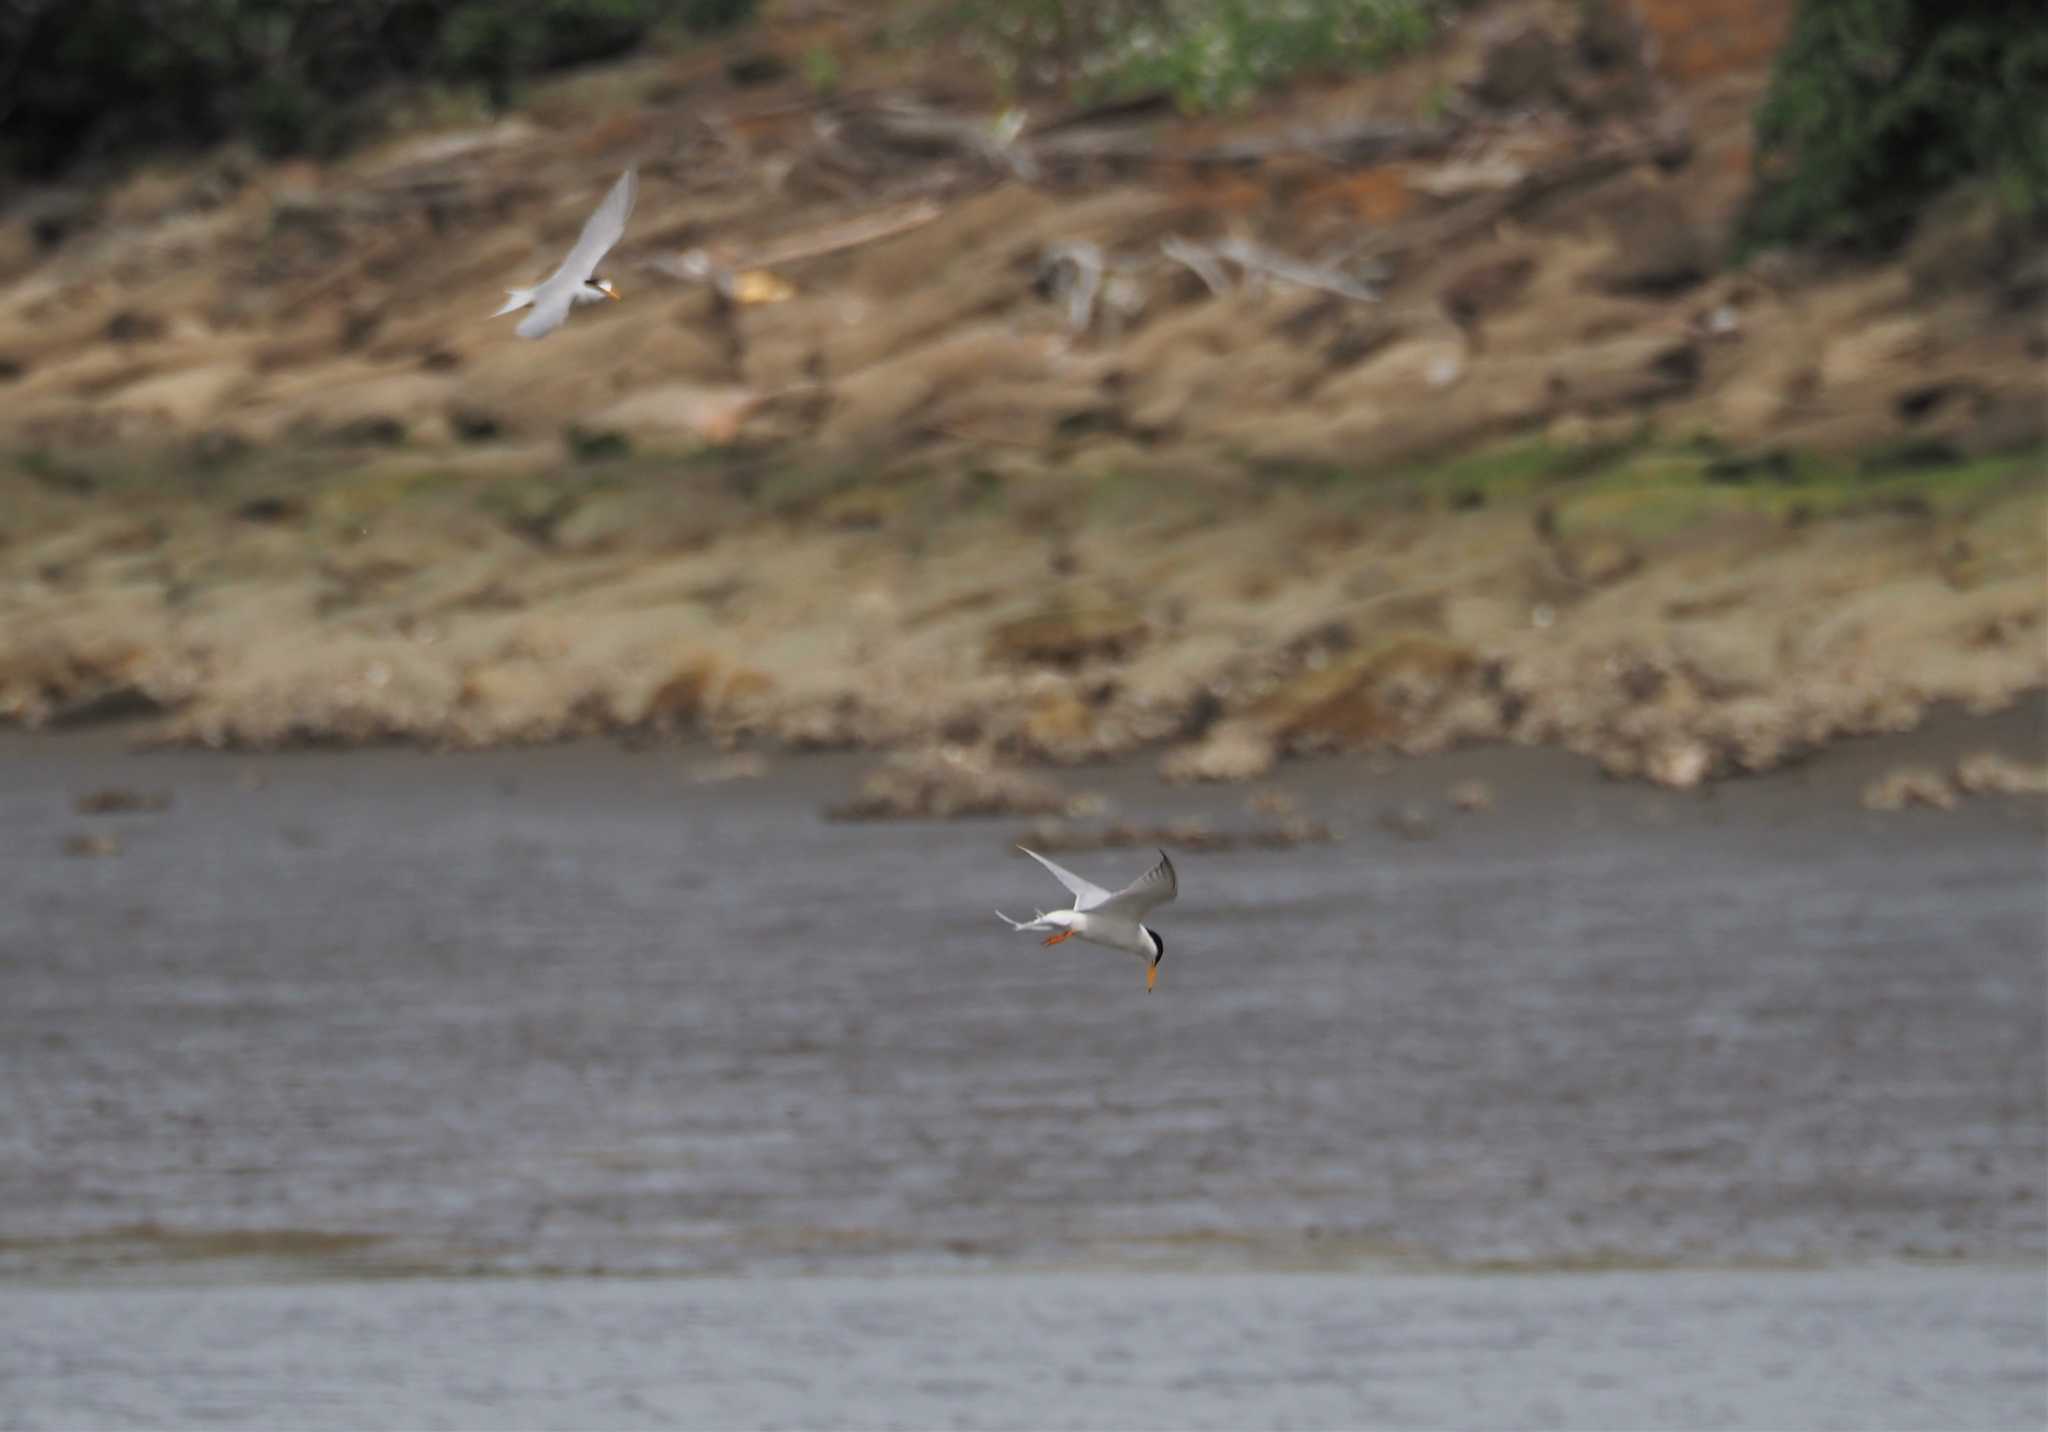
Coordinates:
(575,282)
(1101,917)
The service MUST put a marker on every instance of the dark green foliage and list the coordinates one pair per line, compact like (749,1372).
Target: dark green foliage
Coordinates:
(1227,49)
(1877,105)
(1208,54)
(86,77)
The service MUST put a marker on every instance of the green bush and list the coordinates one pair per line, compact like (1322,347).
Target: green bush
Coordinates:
(91,77)
(1877,105)
(1209,54)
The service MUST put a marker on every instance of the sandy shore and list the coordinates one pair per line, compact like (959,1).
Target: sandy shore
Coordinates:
(1052,621)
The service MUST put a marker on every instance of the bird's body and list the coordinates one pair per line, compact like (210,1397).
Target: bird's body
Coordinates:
(575,282)
(1114,919)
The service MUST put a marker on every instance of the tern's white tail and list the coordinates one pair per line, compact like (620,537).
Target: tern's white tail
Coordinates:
(515,298)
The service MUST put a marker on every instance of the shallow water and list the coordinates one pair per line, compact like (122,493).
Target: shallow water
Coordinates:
(334,1017)
(567,1010)
(1950,1348)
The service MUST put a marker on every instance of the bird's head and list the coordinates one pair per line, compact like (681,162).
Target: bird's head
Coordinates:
(604,285)
(1158,954)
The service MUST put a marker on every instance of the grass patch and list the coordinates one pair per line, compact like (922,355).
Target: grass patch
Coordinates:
(1503,472)
(1654,487)
(1662,491)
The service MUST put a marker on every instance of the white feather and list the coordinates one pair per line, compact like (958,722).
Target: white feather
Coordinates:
(515,298)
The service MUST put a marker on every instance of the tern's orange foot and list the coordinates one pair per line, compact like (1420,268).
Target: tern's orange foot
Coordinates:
(1055,939)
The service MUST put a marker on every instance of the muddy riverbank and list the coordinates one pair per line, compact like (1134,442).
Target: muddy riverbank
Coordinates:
(1675,626)
(1467,425)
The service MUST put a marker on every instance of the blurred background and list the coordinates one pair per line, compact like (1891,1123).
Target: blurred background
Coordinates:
(1540,507)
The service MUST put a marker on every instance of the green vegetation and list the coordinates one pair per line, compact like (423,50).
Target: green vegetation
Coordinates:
(92,77)
(821,70)
(1662,493)
(1877,105)
(1208,54)
(1643,488)
(1653,486)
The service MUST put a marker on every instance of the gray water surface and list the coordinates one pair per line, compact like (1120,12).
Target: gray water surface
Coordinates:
(569,1011)
(1952,1349)
(333,1031)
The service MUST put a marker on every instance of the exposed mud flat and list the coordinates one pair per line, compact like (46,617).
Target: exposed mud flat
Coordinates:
(1678,628)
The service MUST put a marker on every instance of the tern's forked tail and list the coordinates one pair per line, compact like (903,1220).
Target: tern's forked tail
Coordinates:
(515,298)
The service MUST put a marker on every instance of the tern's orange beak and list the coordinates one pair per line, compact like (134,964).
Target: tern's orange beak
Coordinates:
(1151,977)
(612,294)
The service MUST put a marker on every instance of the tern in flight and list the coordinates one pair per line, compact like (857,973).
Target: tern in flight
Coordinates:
(575,282)
(1104,917)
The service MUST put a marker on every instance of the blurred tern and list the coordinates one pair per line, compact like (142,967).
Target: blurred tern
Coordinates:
(1102,917)
(573,283)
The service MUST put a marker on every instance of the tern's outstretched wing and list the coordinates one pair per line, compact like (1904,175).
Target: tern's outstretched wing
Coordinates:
(1087,894)
(1155,887)
(600,231)
(550,308)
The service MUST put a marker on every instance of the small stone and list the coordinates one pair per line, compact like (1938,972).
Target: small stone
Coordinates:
(91,843)
(1296,830)
(1471,795)
(1597,559)
(1068,638)
(1993,773)
(1520,71)
(472,424)
(1060,726)
(118,800)
(1057,837)
(948,783)
(1680,764)
(1271,802)
(1410,821)
(1234,751)
(1909,786)
(740,766)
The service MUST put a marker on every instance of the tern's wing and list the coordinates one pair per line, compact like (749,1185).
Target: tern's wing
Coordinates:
(550,307)
(1155,887)
(1087,894)
(600,231)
